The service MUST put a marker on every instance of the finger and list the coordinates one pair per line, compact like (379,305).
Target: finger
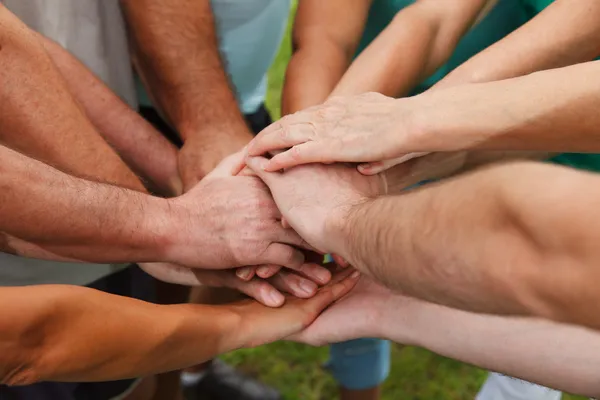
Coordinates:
(285,224)
(289,236)
(294,284)
(258,164)
(304,153)
(262,291)
(230,166)
(377,167)
(281,135)
(246,273)
(333,292)
(246,172)
(281,254)
(267,271)
(315,273)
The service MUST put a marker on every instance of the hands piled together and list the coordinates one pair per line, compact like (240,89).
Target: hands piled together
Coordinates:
(271,221)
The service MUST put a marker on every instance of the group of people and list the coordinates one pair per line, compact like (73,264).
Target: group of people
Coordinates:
(130,173)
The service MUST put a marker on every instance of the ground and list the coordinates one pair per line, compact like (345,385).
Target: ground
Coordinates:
(296,371)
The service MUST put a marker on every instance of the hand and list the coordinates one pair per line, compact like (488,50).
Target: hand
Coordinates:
(229,221)
(357,315)
(260,325)
(268,292)
(197,158)
(365,128)
(309,196)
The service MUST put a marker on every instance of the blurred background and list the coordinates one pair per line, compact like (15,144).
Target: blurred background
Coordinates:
(416,374)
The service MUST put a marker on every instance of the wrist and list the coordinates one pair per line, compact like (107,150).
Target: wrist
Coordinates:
(340,228)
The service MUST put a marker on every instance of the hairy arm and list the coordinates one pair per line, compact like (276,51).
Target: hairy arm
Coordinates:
(419,40)
(39,117)
(176,52)
(565,33)
(499,240)
(325,37)
(143,148)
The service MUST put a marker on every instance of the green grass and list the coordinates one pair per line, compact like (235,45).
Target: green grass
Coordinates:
(296,370)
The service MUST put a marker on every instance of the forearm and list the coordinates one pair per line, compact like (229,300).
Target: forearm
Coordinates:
(496,241)
(565,33)
(176,52)
(312,74)
(40,118)
(141,146)
(134,338)
(76,219)
(530,349)
(325,38)
(550,111)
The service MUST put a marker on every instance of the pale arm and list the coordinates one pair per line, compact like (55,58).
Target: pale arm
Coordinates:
(560,356)
(565,33)
(325,37)
(419,40)
(497,240)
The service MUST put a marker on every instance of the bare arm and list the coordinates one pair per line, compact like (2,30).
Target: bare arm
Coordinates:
(325,37)
(175,50)
(39,117)
(419,40)
(143,148)
(112,337)
(565,33)
(498,241)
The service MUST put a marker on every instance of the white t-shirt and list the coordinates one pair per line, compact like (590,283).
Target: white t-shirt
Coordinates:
(93,31)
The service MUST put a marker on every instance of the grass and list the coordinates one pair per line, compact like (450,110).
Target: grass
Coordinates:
(296,370)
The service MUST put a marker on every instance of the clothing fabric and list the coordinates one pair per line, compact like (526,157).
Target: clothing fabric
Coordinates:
(130,282)
(249,34)
(360,364)
(501,387)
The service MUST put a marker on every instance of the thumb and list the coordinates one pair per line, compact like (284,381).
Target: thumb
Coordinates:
(258,165)
(230,166)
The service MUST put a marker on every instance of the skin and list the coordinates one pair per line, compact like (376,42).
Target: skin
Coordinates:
(373,127)
(532,349)
(128,342)
(451,238)
(189,85)
(327,34)
(60,134)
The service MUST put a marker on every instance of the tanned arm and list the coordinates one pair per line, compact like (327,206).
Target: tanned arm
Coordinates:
(325,37)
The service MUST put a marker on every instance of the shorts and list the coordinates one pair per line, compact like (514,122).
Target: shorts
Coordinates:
(360,364)
(130,282)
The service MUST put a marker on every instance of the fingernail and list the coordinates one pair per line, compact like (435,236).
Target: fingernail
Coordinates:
(355,275)
(307,287)
(276,298)
(323,276)
(263,271)
(243,273)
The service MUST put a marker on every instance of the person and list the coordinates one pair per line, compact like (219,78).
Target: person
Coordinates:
(394,47)
(208,112)
(63,135)
(506,120)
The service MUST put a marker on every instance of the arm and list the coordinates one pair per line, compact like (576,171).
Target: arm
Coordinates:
(175,50)
(419,40)
(531,349)
(40,118)
(144,149)
(565,33)
(325,37)
(497,241)
(112,337)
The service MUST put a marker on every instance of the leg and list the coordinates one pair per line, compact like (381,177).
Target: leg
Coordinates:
(360,367)
(500,387)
